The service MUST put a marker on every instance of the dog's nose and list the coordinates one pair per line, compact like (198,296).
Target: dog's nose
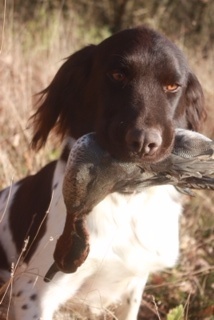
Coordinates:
(143,142)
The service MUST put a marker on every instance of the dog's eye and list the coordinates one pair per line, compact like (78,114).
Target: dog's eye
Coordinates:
(171,87)
(117,76)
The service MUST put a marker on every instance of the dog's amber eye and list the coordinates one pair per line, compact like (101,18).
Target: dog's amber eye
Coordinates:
(118,76)
(171,87)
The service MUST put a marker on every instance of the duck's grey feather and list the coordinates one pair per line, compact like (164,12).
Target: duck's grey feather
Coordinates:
(91,174)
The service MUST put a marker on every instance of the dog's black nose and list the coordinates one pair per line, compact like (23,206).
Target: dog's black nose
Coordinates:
(145,143)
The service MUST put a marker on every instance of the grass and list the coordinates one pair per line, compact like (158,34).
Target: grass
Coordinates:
(30,55)
(191,283)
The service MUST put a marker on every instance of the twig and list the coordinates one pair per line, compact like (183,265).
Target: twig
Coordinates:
(13,270)
(8,198)
(156,308)
(46,214)
(3,26)
(184,277)
(186,306)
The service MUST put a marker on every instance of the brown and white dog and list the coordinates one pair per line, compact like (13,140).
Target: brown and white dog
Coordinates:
(133,90)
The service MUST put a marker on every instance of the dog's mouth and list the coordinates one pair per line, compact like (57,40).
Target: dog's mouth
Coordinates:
(121,152)
(137,144)
(154,158)
(141,157)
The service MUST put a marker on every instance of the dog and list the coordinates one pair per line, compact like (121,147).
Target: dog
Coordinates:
(133,89)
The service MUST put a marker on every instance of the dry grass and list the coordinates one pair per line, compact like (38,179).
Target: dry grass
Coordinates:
(28,60)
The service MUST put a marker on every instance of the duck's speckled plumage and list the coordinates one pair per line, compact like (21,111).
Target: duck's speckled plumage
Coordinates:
(91,174)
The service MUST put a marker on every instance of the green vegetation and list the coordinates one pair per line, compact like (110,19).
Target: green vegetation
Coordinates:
(176,313)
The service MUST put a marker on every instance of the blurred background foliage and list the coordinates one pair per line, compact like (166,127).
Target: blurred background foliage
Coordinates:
(190,21)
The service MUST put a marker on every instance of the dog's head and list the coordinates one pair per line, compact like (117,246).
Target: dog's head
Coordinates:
(133,90)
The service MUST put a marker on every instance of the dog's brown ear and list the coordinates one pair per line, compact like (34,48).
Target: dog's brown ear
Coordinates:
(194,103)
(60,101)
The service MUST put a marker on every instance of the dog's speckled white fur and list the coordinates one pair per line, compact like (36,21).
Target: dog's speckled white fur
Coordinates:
(130,236)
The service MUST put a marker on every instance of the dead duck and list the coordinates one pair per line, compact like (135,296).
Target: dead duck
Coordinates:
(91,174)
